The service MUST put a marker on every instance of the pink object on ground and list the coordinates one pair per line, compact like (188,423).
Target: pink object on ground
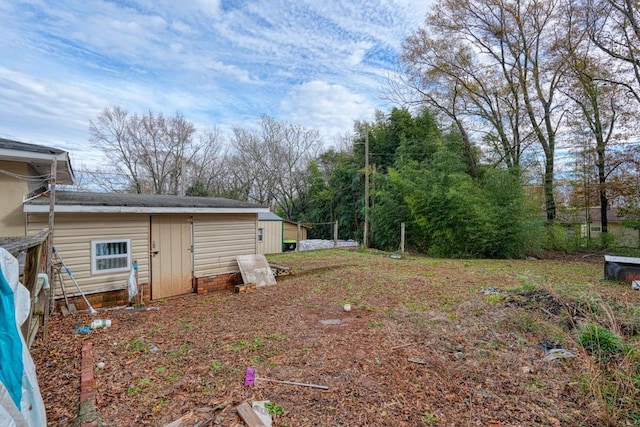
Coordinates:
(250,377)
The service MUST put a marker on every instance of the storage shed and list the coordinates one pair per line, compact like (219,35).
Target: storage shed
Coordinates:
(270,233)
(180,244)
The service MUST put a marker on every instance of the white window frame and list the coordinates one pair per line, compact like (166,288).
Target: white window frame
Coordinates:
(95,258)
(260,234)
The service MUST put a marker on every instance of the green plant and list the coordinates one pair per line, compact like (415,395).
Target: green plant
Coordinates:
(374,324)
(174,377)
(184,324)
(144,382)
(495,298)
(180,351)
(138,345)
(598,341)
(160,369)
(274,409)
(525,321)
(418,307)
(429,418)
(239,345)
(257,342)
(215,365)
(275,336)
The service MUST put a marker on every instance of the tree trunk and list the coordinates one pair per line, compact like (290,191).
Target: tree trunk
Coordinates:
(549,201)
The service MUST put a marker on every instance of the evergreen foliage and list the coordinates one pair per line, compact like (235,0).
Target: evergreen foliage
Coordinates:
(420,176)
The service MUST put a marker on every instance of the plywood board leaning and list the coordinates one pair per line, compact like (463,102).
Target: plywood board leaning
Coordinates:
(255,269)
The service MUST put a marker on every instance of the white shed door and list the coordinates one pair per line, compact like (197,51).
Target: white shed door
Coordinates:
(171,255)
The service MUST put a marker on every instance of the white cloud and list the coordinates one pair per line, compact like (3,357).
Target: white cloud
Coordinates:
(317,64)
(330,108)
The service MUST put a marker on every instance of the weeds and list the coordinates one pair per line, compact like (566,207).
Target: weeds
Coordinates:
(137,345)
(429,418)
(274,409)
(612,377)
(599,342)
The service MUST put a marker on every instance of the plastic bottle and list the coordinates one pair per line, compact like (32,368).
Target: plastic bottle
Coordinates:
(100,323)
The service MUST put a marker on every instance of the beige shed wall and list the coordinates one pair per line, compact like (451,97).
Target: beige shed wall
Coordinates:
(626,237)
(73,234)
(272,237)
(13,190)
(219,239)
(291,231)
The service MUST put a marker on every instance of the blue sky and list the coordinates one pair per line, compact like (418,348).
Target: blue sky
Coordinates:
(320,64)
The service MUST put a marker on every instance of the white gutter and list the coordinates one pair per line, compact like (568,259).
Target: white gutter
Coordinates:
(20,155)
(137,209)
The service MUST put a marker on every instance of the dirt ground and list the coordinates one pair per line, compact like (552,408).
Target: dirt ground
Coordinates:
(427,342)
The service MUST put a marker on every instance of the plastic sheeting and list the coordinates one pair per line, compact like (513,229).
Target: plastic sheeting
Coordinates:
(132,284)
(20,399)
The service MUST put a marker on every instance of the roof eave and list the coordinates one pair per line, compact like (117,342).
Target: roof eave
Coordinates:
(27,208)
(65,174)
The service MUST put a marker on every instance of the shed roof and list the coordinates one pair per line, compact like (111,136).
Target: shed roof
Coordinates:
(268,216)
(39,157)
(70,201)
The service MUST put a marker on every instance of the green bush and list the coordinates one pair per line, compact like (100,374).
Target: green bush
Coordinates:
(556,238)
(599,342)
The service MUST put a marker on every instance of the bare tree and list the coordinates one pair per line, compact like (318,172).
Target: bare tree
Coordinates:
(110,134)
(271,166)
(495,60)
(601,112)
(614,27)
(152,152)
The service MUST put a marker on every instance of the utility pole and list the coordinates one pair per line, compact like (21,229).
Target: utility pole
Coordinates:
(50,295)
(366,186)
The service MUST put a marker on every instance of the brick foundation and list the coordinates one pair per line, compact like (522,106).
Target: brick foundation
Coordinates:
(203,285)
(222,282)
(104,299)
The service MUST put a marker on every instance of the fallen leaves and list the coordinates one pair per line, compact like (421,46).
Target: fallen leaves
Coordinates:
(390,360)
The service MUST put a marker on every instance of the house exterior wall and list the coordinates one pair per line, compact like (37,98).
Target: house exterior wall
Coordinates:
(12,220)
(626,237)
(272,237)
(73,234)
(291,231)
(219,239)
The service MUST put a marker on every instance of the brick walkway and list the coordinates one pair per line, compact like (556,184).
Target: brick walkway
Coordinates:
(88,415)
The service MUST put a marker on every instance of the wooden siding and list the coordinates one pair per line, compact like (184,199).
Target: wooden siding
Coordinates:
(219,239)
(73,234)
(291,231)
(272,237)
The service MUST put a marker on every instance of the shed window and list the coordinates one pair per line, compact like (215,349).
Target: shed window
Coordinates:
(595,228)
(110,256)
(260,234)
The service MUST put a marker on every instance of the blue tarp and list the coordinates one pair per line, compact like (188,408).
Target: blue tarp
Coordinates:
(21,403)
(11,366)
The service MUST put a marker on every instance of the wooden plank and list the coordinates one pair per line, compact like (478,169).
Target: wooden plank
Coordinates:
(15,245)
(250,418)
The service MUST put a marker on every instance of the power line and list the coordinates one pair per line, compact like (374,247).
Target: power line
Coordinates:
(31,178)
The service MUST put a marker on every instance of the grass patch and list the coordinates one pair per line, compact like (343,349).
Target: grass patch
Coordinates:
(137,345)
(598,341)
